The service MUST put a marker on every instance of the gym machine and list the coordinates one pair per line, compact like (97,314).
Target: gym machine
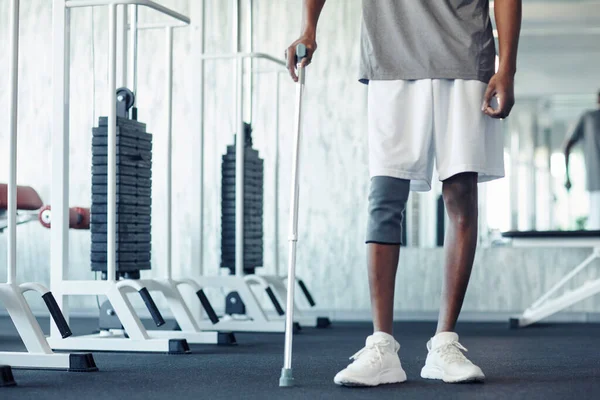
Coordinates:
(243,308)
(39,355)
(133,336)
(550,303)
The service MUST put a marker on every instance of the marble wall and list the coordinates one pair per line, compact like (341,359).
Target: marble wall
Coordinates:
(334,178)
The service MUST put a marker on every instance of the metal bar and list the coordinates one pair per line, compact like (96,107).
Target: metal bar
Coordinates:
(250,61)
(160,25)
(59,235)
(111,200)
(244,55)
(133,32)
(293,237)
(276,170)
(240,146)
(564,280)
(122,72)
(200,243)
(11,275)
(146,3)
(169,90)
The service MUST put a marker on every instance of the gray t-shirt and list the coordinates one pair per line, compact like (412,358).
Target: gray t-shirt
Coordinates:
(427,39)
(587,130)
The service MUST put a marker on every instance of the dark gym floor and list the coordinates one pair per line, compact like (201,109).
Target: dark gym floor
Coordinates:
(559,361)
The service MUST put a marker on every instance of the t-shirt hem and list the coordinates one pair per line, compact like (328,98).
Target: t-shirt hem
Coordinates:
(483,77)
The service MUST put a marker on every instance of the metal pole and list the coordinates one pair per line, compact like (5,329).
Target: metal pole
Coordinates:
(111,266)
(59,234)
(286,373)
(276,169)
(200,243)
(250,83)
(240,145)
(133,32)
(122,70)
(12,146)
(169,89)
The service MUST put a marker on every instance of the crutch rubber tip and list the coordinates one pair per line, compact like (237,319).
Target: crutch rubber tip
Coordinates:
(6,376)
(286,380)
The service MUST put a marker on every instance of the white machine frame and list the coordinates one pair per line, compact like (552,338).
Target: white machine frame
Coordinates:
(134,338)
(39,355)
(257,318)
(549,304)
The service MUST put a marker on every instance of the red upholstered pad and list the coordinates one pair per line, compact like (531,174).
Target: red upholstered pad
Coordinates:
(27,198)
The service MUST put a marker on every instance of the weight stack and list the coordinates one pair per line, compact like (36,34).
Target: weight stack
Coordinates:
(134,198)
(253,207)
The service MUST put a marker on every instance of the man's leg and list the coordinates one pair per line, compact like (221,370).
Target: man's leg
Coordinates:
(382,264)
(445,359)
(378,362)
(460,197)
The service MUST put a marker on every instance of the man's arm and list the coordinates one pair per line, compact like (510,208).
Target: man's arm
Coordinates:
(508,23)
(572,141)
(310,18)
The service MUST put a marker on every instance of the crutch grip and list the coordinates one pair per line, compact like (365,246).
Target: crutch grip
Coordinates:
(300,52)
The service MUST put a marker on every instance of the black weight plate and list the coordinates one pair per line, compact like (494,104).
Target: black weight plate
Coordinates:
(122,247)
(123,122)
(100,151)
(101,209)
(123,131)
(122,228)
(123,237)
(124,189)
(123,170)
(125,161)
(123,180)
(122,257)
(250,212)
(230,235)
(250,199)
(230,256)
(100,143)
(249,251)
(227,242)
(123,266)
(231,149)
(123,199)
(249,264)
(250,172)
(250,168)
(122,219)
(249,229)
(248,181)
(249,190)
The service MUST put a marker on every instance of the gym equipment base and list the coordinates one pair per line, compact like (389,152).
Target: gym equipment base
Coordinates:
(39,354)
(138,339)
(258,319)
(548,305)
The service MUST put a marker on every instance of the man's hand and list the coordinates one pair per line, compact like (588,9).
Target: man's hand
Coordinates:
(290,54)
(501,86)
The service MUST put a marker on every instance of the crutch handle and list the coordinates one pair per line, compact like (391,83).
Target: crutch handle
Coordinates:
(300,52)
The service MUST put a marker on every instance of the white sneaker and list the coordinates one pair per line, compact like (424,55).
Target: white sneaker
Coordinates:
(446,361)
(377,363)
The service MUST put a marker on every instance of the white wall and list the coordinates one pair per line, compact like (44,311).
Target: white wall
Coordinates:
(334,178)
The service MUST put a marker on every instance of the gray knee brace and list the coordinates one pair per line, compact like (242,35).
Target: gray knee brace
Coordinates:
(387,201)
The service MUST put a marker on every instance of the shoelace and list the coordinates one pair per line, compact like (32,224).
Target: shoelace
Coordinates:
(375,348)
(451,352)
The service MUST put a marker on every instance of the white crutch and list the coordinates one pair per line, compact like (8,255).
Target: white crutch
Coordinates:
(287,378)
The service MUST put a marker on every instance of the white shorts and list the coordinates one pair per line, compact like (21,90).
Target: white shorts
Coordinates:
(414,123)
